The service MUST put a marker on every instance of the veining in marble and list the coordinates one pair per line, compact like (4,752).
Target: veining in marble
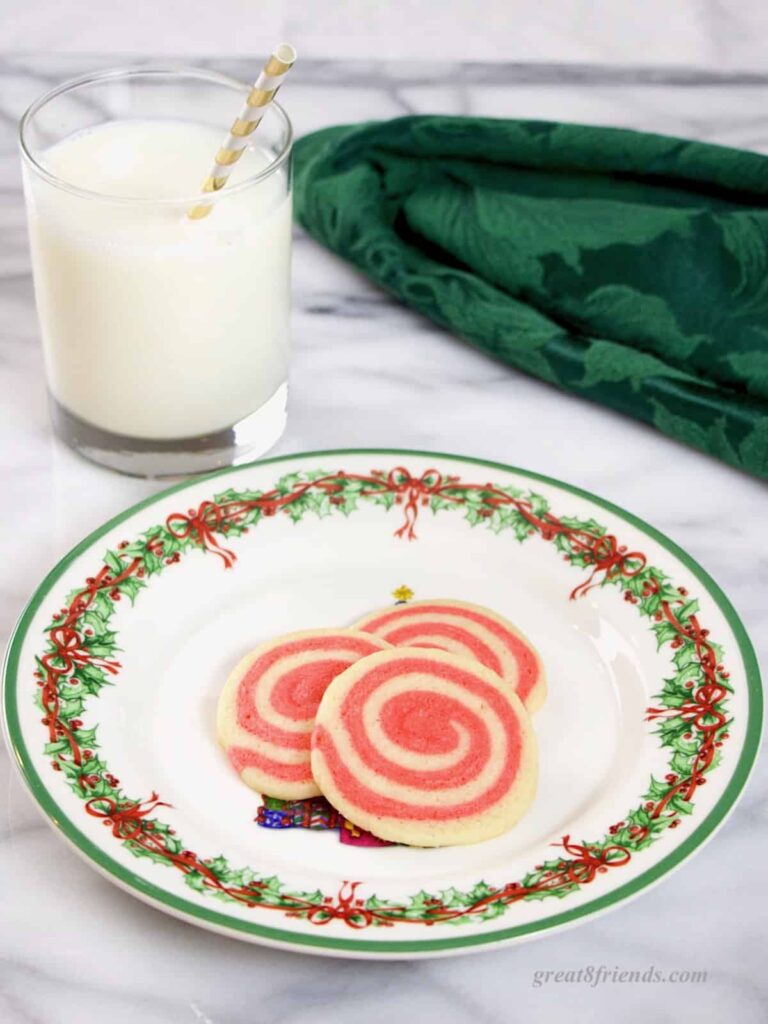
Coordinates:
(367,372)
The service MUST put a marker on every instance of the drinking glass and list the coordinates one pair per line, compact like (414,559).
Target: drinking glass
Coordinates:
(165,338)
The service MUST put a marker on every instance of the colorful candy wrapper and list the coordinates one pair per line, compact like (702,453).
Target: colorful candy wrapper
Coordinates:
(351,835)
(315,813)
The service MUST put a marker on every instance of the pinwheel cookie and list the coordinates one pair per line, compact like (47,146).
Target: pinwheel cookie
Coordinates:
(267,707)
(469,630)
(425,748)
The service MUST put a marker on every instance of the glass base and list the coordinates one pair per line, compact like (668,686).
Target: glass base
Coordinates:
(136,456)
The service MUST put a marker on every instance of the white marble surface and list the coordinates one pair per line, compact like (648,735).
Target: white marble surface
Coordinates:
(694,33)
(368,372)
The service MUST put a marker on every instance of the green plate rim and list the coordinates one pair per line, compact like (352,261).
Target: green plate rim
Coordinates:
(178,906)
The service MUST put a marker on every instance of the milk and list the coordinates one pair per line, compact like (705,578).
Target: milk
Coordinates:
(156,326)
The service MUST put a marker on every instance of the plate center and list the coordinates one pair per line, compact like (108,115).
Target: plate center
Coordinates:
(160,727)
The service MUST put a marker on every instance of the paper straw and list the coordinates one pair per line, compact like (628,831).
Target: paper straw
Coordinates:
(272,76)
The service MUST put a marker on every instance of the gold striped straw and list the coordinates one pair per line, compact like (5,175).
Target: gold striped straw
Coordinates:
(272,76)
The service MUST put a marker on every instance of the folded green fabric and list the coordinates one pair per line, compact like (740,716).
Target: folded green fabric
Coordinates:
(628,268)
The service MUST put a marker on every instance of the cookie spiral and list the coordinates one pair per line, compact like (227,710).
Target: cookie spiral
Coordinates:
(468,630)
(425,748)
(267,707)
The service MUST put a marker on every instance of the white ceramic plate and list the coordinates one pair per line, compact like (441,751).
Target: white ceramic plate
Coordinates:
(647,737)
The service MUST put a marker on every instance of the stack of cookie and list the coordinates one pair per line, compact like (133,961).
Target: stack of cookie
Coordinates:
(413,723)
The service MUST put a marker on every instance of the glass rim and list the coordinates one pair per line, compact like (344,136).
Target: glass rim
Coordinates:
(158,70)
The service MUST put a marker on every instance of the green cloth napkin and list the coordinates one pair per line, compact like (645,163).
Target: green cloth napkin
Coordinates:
(628,268)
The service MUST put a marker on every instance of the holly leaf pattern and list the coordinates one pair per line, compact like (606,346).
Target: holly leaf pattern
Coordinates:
(81,651)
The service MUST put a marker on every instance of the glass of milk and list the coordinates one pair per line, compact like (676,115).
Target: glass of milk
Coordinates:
(165,338)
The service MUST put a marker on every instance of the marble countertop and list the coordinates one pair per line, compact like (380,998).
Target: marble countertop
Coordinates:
(703,33)
(58,917)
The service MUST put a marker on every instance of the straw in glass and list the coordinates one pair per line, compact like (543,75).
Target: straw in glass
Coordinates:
(270,79)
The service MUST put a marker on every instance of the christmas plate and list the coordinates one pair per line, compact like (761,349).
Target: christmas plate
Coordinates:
(647,736)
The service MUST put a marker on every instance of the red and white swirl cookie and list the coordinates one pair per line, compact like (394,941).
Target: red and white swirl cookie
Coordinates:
(267,707)
(424,748)
(468,630)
